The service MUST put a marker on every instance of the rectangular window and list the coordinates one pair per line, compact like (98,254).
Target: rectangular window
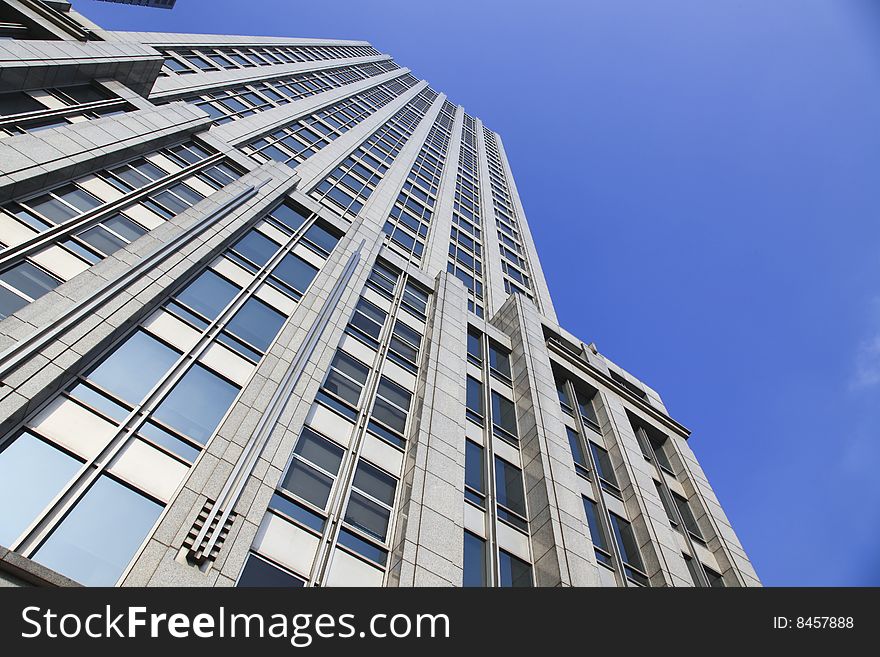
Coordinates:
(693,569)
(474,560)
(514,572)
(577,453)
(716,581)
(509,494)
(504,417)
(597,532)
(564,399)
(475,348)
(499,362)
(346,378)
(313,468)
(369,505)
(588,412)
(687,517)
(260,572)
(474,409)
(602,461)
(668,504)
(629,550)
(474,476)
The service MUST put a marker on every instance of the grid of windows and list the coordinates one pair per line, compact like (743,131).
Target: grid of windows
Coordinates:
(57,234)
(465,246)
(364,387)
(513,264)
(99,461)
(238,102)
(304,137)
(410,218)
(40,109)
(183,61)
(492,470)
(351,183)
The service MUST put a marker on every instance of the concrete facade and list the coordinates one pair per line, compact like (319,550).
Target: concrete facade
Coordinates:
(271,314)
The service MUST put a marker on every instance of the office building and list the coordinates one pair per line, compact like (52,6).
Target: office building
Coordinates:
(273,315)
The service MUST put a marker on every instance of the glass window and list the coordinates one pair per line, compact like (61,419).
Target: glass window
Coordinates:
(474,477)
(259,572)
(256,247)
(321,237)
(122,225)
(585,406)
(197,403)
(208,294)
(375,483)
(31,474)
(693,570)
(18,102)
(257,323)
(499,361)
(10,302)
(668,505)
(504,415)
(514,572)
(286,215)
(367,516)
(626,542)
(474,560)
(475,398)
(134,367)
(98,538)
(295,272)
(603,464)
(716,581)
(103,240)
(475,347)
(346,377)
(368,318)
(509,487)
(562,393)
(660,454)
(29,280)
(687,516)
(597,528)
(320,451)
(392,405)
(306,482)
(577,452)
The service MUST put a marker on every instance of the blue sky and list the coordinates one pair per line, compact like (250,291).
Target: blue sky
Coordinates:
(717,163)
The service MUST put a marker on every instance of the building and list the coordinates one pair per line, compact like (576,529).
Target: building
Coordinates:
(274,315)
(159,4)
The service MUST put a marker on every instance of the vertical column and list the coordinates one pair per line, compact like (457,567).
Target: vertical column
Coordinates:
(560,546)
(428,547)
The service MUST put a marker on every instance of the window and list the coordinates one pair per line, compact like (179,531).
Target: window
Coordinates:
(668,505)
(367,322)
(415,300)
(564,399)
(597,532)
(499,362)
(660,455)
(629,550)
(602,462)
(207,295)
(687,517)
(391,408)
(256,323)
(31,474)
(474,409)
(140,354)
(716,581)
(509,494)
(346,378)
(295,274)
(474,560)
(97,539)
(404,346)
(197,403)
(503,417)
(693,569)
(313,468)
(261,573)
(474,475)
(256,248)
(632,388)
(588,412)
(369,505)
(29,282)
(577,453)
(475,348)
(514,572)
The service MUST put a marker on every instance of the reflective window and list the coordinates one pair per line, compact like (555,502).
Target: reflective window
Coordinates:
(295,272)
(364,511)
(716,581)
(499,361)
(98,538)
(134,367)
(259,572)
(597,532)
(475,400)
(31,474)
(29,279)
(474,477)
(626,544)
(603,466)
(256,323)
(687,516)
(197,403)
(504,416)
(474,560)
(577,452)
(208,294)
(475,347)
(514,572)
(346,378)
(509,492)
(256,247)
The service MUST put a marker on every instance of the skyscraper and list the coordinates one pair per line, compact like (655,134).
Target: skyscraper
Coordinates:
(273,315)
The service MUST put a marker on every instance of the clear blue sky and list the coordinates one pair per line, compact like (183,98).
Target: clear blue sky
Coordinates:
(717,162)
